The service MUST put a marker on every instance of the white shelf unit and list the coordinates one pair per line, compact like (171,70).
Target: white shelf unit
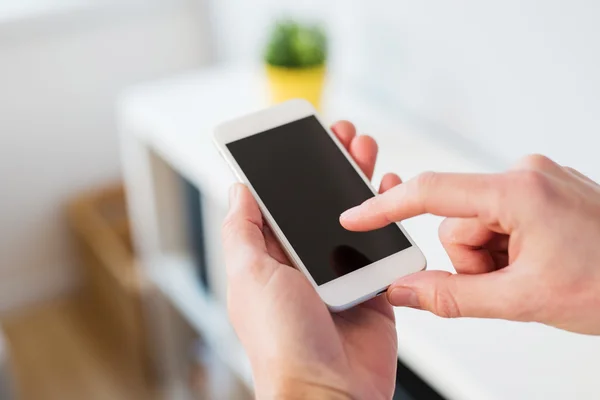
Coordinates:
(166,132)
(177,278)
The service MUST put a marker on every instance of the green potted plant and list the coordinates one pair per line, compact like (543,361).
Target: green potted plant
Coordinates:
(295,61)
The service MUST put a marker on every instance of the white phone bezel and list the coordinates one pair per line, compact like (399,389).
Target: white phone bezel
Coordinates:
(350,289)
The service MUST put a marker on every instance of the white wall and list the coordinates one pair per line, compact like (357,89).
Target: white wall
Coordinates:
(499,78)
(513,77)
(59,78)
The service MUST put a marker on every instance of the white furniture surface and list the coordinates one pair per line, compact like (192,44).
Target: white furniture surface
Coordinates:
(167,130)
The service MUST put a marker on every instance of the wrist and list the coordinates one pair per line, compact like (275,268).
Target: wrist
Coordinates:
(301,383)
(296,389)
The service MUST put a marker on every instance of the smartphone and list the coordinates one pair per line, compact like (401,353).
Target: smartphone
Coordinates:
(303,178)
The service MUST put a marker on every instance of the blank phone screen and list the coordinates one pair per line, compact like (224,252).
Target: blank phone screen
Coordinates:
(306,182)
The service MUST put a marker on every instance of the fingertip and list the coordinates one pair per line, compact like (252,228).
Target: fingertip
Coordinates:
(365,217)
(406,291)
(388,181)
(345,132)
(364,151)
(403,297)
(365,144)
(447,228)
(348,218)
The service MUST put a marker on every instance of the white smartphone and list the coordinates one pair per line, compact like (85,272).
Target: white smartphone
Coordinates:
(303,178)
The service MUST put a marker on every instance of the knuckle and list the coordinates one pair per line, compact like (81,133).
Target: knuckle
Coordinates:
(226,224)
(382,205)
(537,162)
(425,179)
(228,228)
(388,214)
(572,170)
(444,303)
(535,183)
(422,184)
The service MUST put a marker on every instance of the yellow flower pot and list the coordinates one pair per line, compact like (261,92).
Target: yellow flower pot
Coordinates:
(292,83)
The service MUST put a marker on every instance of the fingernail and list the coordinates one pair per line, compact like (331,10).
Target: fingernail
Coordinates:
(233,190)
(404,297)
(351,213)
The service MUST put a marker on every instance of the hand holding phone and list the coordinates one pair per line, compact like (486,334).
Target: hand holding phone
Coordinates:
(303,178)
(296,346)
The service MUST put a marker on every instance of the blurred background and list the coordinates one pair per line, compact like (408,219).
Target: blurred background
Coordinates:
(101,101)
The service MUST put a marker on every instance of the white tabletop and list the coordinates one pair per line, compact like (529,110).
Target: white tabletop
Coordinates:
(464,358)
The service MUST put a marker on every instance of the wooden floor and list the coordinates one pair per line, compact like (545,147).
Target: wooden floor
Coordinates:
(55,354)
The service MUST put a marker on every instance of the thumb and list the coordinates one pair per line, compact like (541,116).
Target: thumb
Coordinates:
(491,295)
(242,235)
